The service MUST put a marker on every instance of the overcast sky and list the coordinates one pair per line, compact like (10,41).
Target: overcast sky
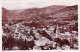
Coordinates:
(21,4)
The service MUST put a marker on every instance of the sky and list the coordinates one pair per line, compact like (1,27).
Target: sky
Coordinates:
(22,4)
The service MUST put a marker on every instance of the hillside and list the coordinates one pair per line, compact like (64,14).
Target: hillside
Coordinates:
(50,13)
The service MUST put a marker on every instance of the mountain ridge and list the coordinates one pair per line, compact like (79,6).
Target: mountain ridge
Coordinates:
(43,13)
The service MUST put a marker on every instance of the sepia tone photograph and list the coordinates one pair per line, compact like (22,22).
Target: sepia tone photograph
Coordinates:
(39,26)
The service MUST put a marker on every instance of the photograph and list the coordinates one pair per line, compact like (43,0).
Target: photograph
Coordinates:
(39,25)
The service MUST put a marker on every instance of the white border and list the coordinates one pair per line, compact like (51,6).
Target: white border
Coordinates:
(39,50)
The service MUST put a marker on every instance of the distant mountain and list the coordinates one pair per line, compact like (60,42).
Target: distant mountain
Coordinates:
(26,13)
(70,12)
(9,14)
(56,12)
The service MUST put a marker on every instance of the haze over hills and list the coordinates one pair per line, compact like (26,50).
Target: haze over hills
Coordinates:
(56,12)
